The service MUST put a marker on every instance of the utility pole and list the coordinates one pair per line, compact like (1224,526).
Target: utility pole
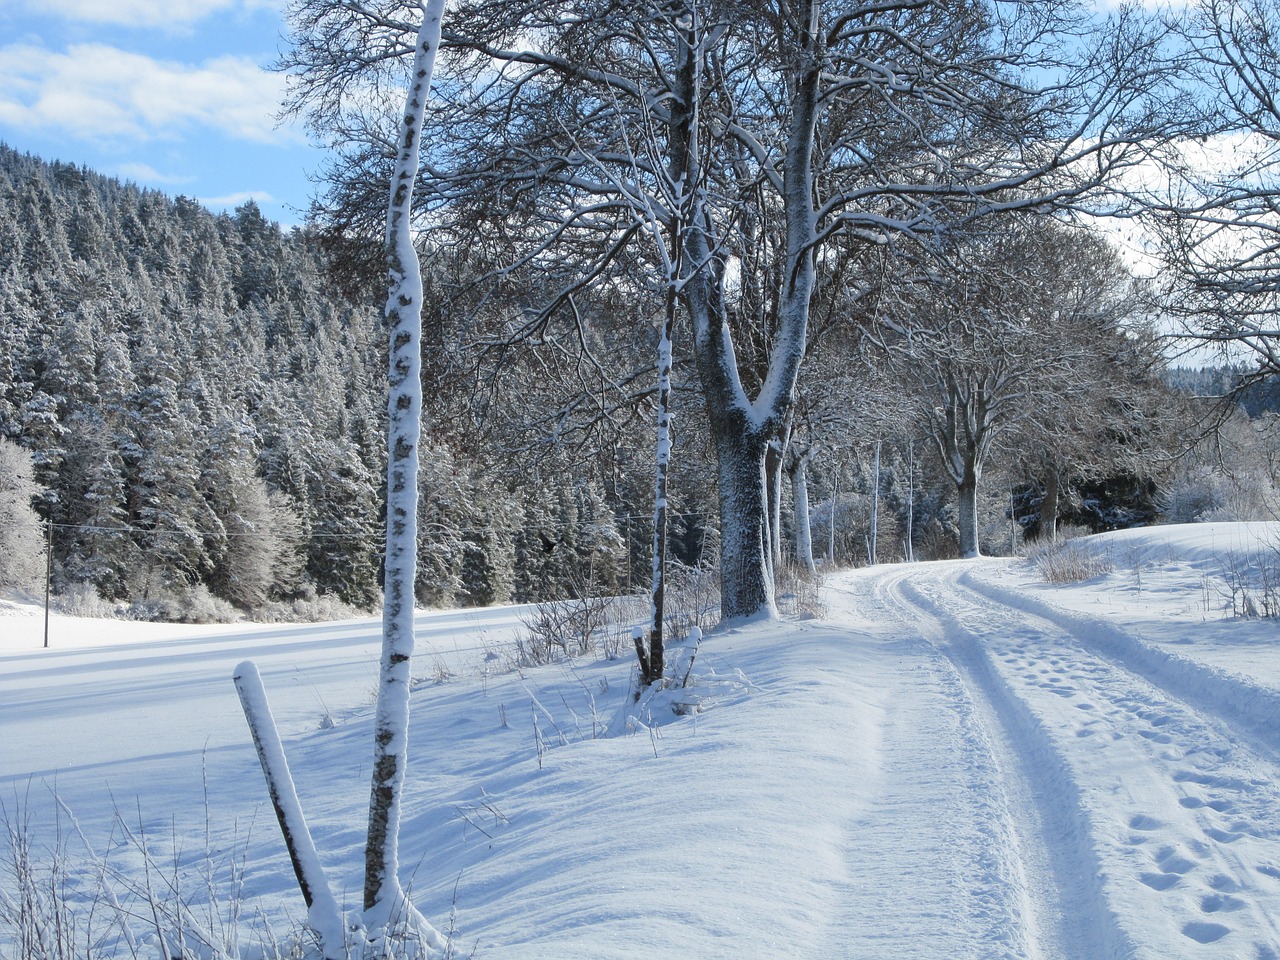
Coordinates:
(48,575)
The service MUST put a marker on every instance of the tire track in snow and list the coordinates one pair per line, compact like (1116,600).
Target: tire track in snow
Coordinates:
(949,889)
(1181,810)
(1055,873)
(1246,705)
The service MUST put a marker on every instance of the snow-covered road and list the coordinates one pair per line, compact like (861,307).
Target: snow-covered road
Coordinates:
(1127,807)
(958,762)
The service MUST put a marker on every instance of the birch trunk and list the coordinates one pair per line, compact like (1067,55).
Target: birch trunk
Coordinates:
(384,899)
(652,663)
(800,500)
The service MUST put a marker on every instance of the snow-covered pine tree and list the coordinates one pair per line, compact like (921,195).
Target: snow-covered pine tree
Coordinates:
(21,540)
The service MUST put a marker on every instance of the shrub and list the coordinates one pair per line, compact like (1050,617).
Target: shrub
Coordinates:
(1070,561)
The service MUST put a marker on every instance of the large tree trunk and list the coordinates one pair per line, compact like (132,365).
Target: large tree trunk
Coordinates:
(967,511)
(746,576)
(1049,507)
(741,427)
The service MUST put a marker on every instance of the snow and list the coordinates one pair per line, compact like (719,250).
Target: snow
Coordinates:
(956,761)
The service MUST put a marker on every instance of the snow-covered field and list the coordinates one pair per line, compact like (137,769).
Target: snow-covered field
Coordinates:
(957,761)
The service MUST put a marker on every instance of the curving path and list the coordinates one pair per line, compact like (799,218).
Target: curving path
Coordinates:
(1125,805)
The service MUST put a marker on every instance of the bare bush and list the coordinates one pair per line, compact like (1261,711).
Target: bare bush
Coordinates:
(561,628)
(800,592)
(60,904)
(693,599)
(1070,561)
(1251,585)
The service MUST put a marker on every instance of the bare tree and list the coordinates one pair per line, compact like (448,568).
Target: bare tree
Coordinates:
(1018,336)
(745,136)
(21,544)
(1216,210)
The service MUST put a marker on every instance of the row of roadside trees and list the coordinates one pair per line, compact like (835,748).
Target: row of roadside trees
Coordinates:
(773,165)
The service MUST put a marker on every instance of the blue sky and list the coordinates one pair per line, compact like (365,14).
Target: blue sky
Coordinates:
(171,94)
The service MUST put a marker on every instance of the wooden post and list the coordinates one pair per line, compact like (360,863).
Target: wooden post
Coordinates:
(325,916)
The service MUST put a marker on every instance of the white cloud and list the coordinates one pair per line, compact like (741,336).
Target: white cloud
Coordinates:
(236,199)
(145,173)
(105,93)
(146,13)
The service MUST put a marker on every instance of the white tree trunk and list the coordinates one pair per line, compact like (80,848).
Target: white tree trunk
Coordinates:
(800,501)
(875,508)
(773,463)
(831,527)
(384,898)
(651,660)
(911,501)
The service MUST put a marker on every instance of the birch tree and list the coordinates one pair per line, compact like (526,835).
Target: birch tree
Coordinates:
(776,127)
(385,902)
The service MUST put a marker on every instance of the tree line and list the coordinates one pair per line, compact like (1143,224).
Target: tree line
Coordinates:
(773,168)
(863,229)
(195,404)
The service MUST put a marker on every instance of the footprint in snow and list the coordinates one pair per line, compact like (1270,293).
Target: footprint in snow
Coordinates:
(1144,822)
(1218,806)
(1160,881)
(1223,884)
(1220,903)
(1205,932)
(1170,861)
(1155,736)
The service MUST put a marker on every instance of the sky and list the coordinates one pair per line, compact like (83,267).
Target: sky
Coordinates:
(172,94)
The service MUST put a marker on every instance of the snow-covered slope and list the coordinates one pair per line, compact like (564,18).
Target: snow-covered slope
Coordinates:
(956,762)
